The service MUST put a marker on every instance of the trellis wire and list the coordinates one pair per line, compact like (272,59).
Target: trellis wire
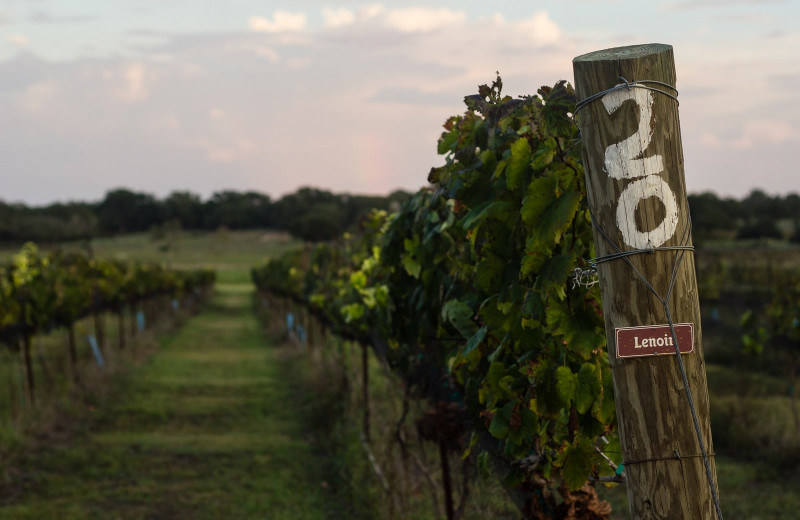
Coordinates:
(680,251)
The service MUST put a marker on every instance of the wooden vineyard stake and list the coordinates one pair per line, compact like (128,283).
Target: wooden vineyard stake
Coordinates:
(633,159)
(365,389)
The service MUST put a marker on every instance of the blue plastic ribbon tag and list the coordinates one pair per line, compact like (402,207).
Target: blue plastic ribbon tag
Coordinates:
(96,350)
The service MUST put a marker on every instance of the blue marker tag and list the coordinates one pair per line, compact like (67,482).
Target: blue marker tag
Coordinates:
(290,321)
(96,350)
(301,334)
(175,305)
(140,320)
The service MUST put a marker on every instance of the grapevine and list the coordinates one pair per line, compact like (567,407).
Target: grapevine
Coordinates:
(40,292)
(466,293)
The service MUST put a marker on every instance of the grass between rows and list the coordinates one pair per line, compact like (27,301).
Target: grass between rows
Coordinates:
(215,425)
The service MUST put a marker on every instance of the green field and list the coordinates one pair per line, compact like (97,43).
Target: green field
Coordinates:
(231,253)
(210,427)
(215,419)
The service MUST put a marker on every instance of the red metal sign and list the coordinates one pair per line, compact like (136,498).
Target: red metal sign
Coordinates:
(654,340)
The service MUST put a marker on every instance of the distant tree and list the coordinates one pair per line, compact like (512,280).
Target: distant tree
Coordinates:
(795,238)
(184,207)
(124,211)
(758,205)
(710,214)
(760,228)
(792,206)
(7,213)
(236,210)
(324,221)
(78,220)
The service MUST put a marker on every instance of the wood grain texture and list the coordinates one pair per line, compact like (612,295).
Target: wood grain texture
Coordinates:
(652,409)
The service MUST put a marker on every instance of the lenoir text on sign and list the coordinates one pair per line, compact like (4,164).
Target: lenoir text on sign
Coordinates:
(653,342)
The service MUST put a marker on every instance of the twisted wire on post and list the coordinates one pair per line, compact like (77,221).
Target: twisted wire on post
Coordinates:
(584,276)
(680,251)
(643,83)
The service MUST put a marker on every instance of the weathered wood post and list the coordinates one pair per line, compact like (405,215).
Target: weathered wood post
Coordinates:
(633,160)
(365,389)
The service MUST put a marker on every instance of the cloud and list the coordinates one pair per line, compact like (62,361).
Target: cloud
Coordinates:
(17,39)
(751,18)
(539,27)
(752,134)
(131,82)
(253,47)
(37,98)
(766,131)
(282,21)
(280,105)
(44,17)
(713,4)
(423,19)
(347,98)
(412,96)
(22,71)
(339,17)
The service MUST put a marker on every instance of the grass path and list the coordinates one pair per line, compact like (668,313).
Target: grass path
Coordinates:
(207,429)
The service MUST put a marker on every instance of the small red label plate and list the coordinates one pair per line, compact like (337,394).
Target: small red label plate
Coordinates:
(654,340)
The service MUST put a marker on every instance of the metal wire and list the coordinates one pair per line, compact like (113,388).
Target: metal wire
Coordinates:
(680,252)
(643,83)
(582,275)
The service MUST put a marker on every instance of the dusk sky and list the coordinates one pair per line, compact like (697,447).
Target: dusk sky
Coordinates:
(269,96)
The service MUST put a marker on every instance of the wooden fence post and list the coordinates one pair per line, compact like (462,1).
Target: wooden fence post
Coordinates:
(29,377)
(365,389)
(633,160)
(73,351)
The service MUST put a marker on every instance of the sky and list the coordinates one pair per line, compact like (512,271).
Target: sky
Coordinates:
(351,96)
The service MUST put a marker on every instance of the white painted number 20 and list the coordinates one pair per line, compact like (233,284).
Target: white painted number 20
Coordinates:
(625,160)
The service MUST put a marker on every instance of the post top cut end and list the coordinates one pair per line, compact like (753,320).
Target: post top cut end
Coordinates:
(621,53)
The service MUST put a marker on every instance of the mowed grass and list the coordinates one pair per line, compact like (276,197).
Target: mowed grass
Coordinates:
(231,253)
(746,491)
(215,425)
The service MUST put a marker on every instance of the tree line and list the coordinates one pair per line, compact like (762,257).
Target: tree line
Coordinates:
(756,216)
(315,214)
(309,214)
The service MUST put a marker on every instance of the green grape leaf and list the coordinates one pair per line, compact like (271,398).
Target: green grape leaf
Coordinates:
(538,198)
(517,163)
(459,314)
(588,388)
(531,263)
(411,265)
(352,312)
(446,142)
(585,342)
(475,340)
(358,280)
(545,154)
(482,464)
(604,409)
(556,219)
(558,317)
(498,427)
(410,260)
(566,384)
(576,466)
(488,272)
(554,273)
